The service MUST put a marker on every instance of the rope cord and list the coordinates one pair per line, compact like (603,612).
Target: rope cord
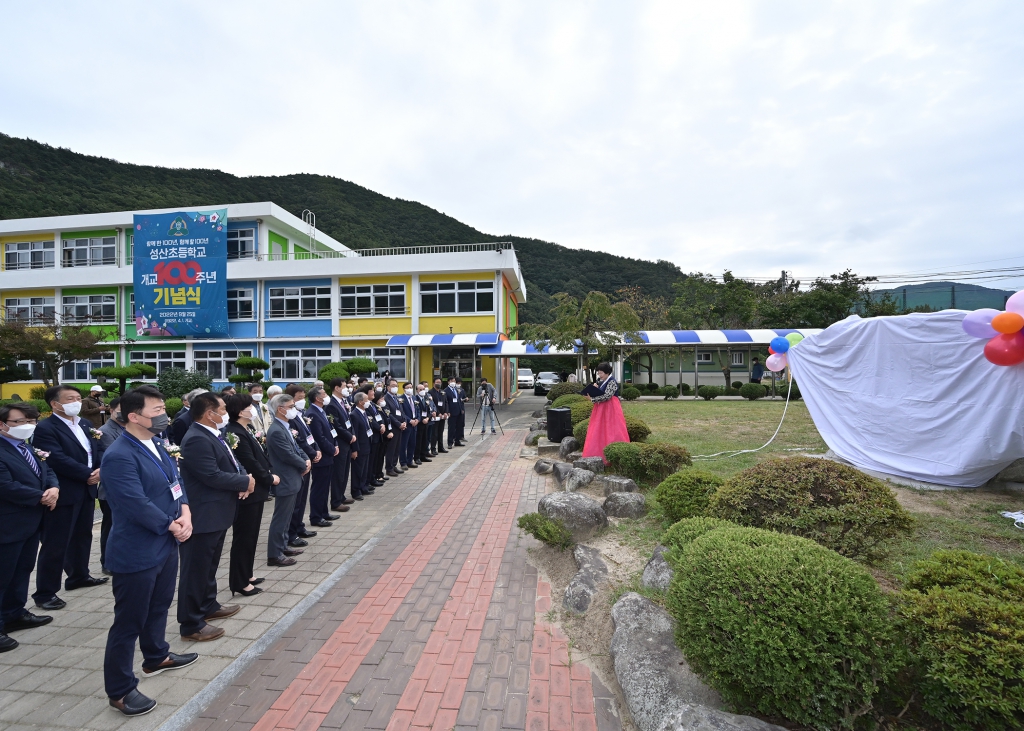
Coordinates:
(735,453)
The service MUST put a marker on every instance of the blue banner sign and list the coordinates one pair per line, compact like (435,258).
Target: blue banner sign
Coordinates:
(181,281)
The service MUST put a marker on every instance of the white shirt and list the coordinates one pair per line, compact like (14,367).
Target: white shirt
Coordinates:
(150,445)
(79,433)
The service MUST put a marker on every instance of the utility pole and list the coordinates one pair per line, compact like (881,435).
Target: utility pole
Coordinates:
(952,297)
(904,299)
(783,280)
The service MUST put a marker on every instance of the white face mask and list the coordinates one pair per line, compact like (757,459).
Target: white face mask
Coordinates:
(72,409)
(257,397)
(393,389)
(408,392)
(300,404)
(345,392)
(22,431)
(223,420)
(291,413)
(381,403)
(250,413)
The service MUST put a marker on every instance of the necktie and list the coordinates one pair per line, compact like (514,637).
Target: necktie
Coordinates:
(23,448)
(225,443)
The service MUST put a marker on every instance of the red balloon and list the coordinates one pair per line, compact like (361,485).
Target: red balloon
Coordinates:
(1005,350)
(770,351)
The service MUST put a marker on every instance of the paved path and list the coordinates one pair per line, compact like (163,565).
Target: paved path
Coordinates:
(418,609)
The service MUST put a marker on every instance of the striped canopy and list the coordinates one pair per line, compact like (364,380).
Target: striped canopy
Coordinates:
(398,341)
(668,338)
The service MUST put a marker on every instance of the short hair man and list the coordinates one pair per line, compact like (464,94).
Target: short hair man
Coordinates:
(183,419)
(297,531)
(291,465)
(485,393)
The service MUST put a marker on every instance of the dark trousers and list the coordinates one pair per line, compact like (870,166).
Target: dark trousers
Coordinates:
(437,436)
(297,525)
(197,588)
(392,450)
(407,452)
(375,470)
(66,541)
(339,475)
(456,428)
(361,474)
(423,439)
(320,491)
(17,560)
(245,534)
(108,521)
(141,601)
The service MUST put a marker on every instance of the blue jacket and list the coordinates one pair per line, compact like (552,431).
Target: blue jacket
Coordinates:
(68,458)
(341,415)
(20,493)
(212,478)
(409,407)
(321,429)
(395,407)
(141,504)
(456,405)
(361,422)
(299,425)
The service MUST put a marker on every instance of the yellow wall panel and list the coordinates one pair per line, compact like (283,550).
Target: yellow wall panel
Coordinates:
(380,326)
(486,275)
(431,325)
(23,389)
(26,293)
(425,364)
(385,279)
(26,237)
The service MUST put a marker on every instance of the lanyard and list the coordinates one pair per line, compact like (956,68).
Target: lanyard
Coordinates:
(158,462)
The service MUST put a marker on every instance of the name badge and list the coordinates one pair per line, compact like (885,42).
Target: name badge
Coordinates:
(348,424)
(377,417)
(176,490)
(369,432)
(309,439)
(334,433)
(433,418)
(425,414)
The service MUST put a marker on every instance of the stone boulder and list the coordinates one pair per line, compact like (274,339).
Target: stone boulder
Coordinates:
(533,438)
(561,471)
(657,572)
(577,479)
(615,483)
(543,466)
(545,447)
(701,718)
(573,456)
(625,505)
(535,428)
(567,447)
(1013,473)
(583,586)
(538,414)
(542,423)
(594,464)
(656,681)
(581,514)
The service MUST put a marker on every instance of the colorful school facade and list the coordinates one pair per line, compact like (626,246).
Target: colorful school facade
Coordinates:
(297,298)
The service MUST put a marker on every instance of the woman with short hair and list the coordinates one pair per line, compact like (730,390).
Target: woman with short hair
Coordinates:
(607,422)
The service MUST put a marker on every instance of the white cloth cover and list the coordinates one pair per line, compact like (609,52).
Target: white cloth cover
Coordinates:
(912,396)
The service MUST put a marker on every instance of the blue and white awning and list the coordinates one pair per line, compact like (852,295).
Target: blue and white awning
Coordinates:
(718,337)
(399,341)
(512,348)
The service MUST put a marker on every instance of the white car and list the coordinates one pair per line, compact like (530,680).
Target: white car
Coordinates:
(525,378)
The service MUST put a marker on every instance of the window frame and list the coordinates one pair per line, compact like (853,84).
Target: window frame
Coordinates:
(319,294)
(90,319)
(42,247)
(70,246)
(454,298)
(281,358)
(234,235)
(372,294)
(158,361)
(225,363)
(99,360)
(42,317)
(250,297)
(737,359)
(704,356)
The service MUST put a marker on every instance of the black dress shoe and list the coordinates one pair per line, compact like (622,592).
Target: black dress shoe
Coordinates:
(105,571)
(7,643)
(257,582)
(321,523)
(26,621)
(281,561)
(441,451)
(334,517)
(247,592)
(85,583)
(293,552)
(412,466)
(426,459)
(306,534)
(52,605)
(133,704)
(460,444)
(298,543)
(347,501)
(358,497)
(392,473)
(377,483)
(173,662)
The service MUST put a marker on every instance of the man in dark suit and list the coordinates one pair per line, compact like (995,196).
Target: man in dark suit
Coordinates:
(426,427)
(326,437)
(399,423)
(377,414)
(28,489)
(75,453)
(440,399)
(363,429)
(290,464)
(456,413)
(215,482)
(297,531)
(183,419)
(410,411)
(338,408)
(151,516)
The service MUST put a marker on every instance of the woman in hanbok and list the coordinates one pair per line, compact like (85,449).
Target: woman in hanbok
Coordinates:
(607,422)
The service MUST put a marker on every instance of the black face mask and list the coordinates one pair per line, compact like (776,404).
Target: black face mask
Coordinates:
(158,423)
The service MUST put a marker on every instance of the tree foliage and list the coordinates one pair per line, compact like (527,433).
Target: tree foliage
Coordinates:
(122,374)
(50,344)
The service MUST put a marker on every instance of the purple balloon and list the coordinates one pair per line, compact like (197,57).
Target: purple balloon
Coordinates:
(978,324)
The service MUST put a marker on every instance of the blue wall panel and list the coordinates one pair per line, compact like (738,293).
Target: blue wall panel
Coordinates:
(297,328)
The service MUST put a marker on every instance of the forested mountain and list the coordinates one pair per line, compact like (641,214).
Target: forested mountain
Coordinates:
(40,180)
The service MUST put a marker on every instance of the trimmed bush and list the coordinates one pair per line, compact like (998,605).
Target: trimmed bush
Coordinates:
(333,370)
(630,394)
(561,389)
(781,387)
(569,398)
(551,531)
(178,381)
(173,405)
(709,392)
(668,392)
(963,614)
(636,428)
(683,532)
(781,626)
(580,410)
(645,463)
(652,387)
(753,391)
(37,392)
(361,366)
(730,392)
(737,385)
(684,388)
(831,503)
(686,493)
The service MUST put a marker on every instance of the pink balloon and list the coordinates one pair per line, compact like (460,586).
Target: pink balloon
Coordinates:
(1016,303)
(776,362)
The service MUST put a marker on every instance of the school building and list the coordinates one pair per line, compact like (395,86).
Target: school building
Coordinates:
(296,298)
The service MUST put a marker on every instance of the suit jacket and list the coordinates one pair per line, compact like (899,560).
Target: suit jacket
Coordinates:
(260,423)
(139,493)
(409,406)
(68,458)
(299,425)
(371,413)
(361,422)
(321,429)
(342,415)
(394,406)
(111,431)
(287,459)
(20,493)
(440,400)
(180,425)
(455,401)
(253,457)
(211,480)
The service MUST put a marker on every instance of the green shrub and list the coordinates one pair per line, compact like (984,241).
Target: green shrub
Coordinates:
(963,616)
(333,370)
(178,381)
(781,387)
(645,463)
(831,503)
(781,626)
(562,389)
(569,398)
(547,530)
(39,403)
(630,394)
(684,388)
(636,428)
(737,385)
(686,493)
(709,392)
(653,387)
(38,392)
(730,392)
(752,391)
(361,366)
(580,410)
(173,405)
(681,533)
(668,392)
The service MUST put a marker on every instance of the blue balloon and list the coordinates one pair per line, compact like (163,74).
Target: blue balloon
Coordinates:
(780,345)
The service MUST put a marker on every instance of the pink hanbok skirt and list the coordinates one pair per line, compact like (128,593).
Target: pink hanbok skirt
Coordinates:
(607,425)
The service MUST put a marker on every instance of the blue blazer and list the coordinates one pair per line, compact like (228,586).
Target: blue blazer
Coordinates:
(68,458)
(211,479)
(395,407)
(373,411)
(341,415)
(299,425)
(360,423)
(180,426)
(141,504)
(321,429)
(20,493)
(455,403)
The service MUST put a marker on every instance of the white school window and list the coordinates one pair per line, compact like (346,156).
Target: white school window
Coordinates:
(81,370)
(30,310)
(28,255)
(160,359)
(240,304)
(218,364)
(298,363)
(90,308)
(300,302)
(456,297)
(372,300)
(704,357)
(242,243)
(91,252)
(737,359)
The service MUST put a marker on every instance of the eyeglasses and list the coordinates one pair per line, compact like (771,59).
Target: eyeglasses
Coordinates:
(20,422)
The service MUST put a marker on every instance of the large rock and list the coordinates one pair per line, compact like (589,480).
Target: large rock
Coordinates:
(538,414)
(657,572)
(534,427)
(625,505)
(567,447)
(561,471)
(577,479)
(543,466)
(594,464)
(615,483)
(656,681)
(533,438)
(573,456)
(701,718)
(581,514)
(583,586)
(545,447)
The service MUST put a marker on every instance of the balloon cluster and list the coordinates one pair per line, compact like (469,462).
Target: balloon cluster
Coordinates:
(1005,346)
(777,350)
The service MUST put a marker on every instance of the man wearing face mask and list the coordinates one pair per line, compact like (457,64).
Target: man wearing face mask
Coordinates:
(363,430)
(378,441)
(28,490)
(259,420)
(326,441)
(110,431)
(151,518)
(215,481)
(410,411)
(67,529)
(399,424)
(339,410)
(297,531)
(426,411)
(291,465)
(440,400)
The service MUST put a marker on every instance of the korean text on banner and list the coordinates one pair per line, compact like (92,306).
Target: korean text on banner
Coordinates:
(181,263)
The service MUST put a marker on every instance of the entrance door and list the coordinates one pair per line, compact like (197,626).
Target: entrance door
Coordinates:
(459,362)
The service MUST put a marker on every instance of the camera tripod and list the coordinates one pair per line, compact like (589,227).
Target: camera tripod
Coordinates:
(493,412)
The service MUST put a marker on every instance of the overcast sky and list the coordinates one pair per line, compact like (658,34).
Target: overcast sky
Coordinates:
(808,136)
